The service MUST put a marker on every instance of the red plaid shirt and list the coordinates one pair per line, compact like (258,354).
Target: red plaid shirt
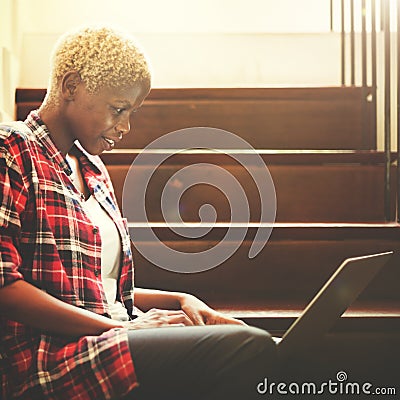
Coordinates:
(47,239)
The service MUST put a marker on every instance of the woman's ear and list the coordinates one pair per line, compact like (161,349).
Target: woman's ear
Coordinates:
(69,85)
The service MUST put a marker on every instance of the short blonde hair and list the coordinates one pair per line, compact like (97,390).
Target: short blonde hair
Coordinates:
(103,57)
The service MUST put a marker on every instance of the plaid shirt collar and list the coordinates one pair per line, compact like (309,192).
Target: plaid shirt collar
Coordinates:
(43,136)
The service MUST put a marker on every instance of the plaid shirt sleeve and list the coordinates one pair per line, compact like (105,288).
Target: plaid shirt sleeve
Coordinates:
(47,240)
(12,202)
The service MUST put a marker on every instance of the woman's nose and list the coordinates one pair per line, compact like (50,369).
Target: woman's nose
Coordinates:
(124,125)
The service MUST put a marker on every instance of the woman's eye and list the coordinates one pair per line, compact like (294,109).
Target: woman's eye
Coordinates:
(118,110)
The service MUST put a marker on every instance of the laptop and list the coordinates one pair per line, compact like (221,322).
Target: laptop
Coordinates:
(338,293)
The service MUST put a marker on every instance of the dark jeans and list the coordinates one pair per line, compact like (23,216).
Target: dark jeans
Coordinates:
(201,362)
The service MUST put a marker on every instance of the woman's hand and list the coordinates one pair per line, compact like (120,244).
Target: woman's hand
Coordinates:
(156,318)
(197,311)
(201,314)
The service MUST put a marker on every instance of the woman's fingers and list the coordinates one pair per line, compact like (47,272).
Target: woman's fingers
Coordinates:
(175,317)
(223,319)
(156,318)
(196,318)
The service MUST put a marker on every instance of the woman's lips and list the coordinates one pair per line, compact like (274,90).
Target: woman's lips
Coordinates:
(108,143)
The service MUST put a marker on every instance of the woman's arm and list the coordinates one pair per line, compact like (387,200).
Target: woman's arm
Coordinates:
(20,301)
(198,312)
(145,299)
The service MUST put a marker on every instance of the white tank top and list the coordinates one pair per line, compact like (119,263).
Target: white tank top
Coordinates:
(110,256)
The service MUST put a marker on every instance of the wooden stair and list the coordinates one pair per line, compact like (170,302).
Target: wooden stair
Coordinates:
(311,186)
(268,118)
(329,182)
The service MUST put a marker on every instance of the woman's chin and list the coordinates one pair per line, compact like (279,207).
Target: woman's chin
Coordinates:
(95,150)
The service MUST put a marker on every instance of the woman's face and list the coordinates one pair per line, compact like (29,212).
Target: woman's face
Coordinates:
(100,120)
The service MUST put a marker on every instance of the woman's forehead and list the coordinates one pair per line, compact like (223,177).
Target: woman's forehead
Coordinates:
(127,96)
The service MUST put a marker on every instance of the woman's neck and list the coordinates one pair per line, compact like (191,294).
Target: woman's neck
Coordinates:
(53,118)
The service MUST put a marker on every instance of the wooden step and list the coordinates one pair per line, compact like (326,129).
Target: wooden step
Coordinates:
(279,118)
(295,263)
(276,317)
(334,186)
(289,118)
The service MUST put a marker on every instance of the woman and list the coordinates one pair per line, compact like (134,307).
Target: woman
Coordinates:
(70,325)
